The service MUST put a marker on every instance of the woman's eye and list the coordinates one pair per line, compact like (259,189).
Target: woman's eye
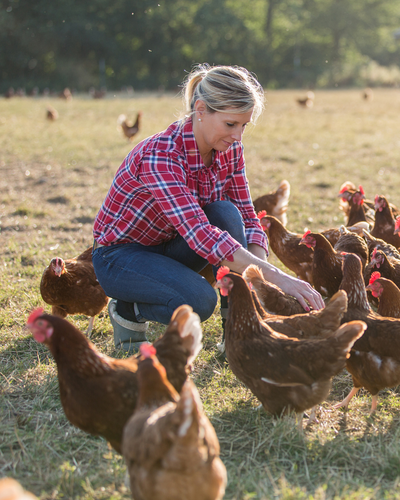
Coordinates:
(230,124)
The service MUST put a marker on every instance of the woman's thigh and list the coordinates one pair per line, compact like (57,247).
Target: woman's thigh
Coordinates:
(159,284)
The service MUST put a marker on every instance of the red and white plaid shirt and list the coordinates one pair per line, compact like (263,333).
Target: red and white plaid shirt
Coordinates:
(161,187)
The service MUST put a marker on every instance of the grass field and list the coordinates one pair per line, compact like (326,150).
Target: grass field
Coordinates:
(54,176)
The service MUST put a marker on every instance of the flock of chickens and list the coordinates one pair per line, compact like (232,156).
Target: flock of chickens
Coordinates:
(148,408)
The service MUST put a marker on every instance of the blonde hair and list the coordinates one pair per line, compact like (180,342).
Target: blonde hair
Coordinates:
(223,88)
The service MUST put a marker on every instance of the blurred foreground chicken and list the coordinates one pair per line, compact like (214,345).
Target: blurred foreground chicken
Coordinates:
(70,286)
(128,128)
(387,293)
(275,203)
(99,393)
(169,445)
(374,362)
(10,489)
(285,374)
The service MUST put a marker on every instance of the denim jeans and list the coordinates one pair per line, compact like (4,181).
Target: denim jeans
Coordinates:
(162,277)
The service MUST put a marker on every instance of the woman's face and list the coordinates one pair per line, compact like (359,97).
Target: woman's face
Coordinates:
(219,130)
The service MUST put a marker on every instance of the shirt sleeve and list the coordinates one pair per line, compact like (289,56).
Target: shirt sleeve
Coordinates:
(165,177)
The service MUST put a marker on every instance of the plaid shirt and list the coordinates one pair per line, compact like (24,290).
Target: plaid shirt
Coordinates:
(161,187)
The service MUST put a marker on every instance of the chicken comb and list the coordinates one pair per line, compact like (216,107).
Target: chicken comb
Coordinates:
(307,233)
(344,189)
(374,252)
(360,188)
(374,276)
(36,313)
(261,214)
(147,350)
(222,271)
(397,223)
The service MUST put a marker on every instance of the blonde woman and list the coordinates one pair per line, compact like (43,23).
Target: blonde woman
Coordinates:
(179,201)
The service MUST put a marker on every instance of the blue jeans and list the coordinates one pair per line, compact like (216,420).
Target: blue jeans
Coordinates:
(162,277)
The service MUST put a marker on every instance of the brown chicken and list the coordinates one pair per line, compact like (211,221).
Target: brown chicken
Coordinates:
(271,297)
(70,286)
(275,203)
(99,393)
(327,260)
(51,113)
(384,227)
(169,445)
(387,293)
(389,267)
(10,489)
(314,324)
(65,94)
(355,206)
(307,101)
(377,243)
(374,362)
(128,128)
(285,374)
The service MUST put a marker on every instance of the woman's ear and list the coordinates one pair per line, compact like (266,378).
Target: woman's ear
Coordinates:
(200,108)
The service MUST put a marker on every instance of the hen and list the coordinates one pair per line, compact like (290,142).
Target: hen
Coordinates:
(70,286)
(389,267)
(169,445)
(377,243)
(99,393)
(130,129)
(327,260)
(384,227)
(374,362)
(276,202)
(307,101)
(387,293)
(354,205)
(315,324)
(285,374)
(51,113)
(272,298)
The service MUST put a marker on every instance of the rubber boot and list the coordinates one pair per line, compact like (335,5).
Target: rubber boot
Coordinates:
(128,335)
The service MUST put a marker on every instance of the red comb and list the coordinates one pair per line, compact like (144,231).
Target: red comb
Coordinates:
(147,350)
(397,223)
(222,271)
(360,188)
(374,252)
(306,233)
(262,214)
(374,276)
(36,313)
(343,190)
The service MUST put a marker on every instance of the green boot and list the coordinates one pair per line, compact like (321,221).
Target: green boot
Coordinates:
(128,335)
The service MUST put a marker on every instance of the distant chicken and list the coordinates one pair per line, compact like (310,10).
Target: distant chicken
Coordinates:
(99,393)
(129,129)
(307,101)
(10,489)
(374,362)
(51,113)
(169,445)
(70,286)
(285,374)
(327,261)
(385,224)
(387,293)
(65,94)
(276,202)
(368,94)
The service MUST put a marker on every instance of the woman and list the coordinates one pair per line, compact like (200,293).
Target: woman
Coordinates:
(179,201)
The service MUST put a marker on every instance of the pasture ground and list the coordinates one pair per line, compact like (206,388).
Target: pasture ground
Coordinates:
(54,176)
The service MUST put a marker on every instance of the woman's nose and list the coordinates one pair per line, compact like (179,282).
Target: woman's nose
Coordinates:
(237,134)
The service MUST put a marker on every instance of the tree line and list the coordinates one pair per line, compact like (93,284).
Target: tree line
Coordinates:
(150,44)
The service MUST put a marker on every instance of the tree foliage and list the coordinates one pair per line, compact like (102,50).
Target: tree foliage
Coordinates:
(151,43)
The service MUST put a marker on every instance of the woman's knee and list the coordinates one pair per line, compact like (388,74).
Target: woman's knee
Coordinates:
(226,216)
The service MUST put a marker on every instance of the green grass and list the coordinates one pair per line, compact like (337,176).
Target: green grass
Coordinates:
(54,177)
